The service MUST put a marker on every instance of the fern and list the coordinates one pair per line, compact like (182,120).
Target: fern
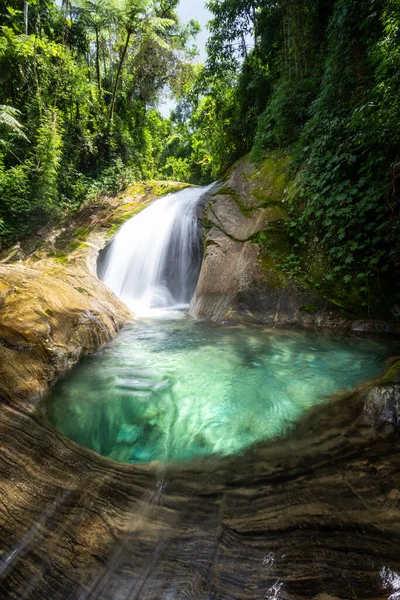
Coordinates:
(9,121)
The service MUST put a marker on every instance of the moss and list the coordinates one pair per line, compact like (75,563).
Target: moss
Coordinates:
(274,278)
(226,191)
(82,290)
(393,375)
(274,214)
(311,309)
(259,238)
(82,232)
(73,246)
(207,244)
(60,257)
(206,223)
(271,179)
(119,218)
(245,210)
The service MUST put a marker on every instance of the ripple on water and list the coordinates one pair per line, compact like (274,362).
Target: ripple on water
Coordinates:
(174,389)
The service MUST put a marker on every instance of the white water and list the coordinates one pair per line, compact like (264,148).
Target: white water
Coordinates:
(153,262)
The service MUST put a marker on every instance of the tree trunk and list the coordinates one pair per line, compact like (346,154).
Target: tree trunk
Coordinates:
(26,16)
(121,62)
(98,63)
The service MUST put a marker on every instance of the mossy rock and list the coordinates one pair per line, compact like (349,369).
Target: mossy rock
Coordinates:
(274,278)
(121,217)
(310,309)
(271,179)
(82,232)
(59,257)
(393,375)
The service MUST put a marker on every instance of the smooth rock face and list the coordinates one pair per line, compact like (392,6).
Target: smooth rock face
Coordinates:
(234,284)
(49,319)
(241,277)
(314,516)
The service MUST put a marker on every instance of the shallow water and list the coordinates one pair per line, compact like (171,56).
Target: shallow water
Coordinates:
(173,389)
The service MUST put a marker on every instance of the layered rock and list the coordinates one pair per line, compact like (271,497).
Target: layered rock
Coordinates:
(49,319)
(310,517)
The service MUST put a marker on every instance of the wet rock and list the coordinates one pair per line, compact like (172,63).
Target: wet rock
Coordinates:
(297,519)
(49,319)
(394,494)
(236,282)
(383,402)
(14,255)
(246,243)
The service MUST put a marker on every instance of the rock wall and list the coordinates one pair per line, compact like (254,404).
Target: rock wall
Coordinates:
(246,242)
(49,319)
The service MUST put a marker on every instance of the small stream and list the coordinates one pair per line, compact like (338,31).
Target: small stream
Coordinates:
(169,388)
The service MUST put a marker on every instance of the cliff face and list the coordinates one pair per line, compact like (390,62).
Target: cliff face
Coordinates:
(246,272)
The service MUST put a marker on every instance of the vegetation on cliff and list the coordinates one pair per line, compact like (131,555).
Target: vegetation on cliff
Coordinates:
(318,81)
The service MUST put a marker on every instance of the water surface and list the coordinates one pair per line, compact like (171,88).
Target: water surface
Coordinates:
(173,389)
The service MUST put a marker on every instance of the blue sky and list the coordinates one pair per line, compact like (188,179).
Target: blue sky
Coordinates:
(187,10)
(195,9)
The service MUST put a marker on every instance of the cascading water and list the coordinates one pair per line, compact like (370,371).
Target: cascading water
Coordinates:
(154,261)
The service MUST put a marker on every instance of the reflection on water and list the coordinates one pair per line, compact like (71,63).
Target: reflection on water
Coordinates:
(173,389)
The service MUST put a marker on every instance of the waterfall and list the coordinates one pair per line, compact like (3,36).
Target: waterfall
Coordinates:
(154,260)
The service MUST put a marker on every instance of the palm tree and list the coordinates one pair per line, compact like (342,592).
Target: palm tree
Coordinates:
(137,18)
(97,15)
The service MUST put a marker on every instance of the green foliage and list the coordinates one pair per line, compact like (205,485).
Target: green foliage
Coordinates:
(347,188)
(177,169)
(15,201)
(49,156)
(78,101)
(9,124)
(319,79)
